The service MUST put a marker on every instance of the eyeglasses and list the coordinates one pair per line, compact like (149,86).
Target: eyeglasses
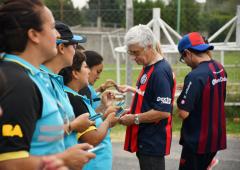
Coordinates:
(135,53)
(181,59)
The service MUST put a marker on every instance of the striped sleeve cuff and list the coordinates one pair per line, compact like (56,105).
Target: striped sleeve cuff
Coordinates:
(89,129)
(14,155)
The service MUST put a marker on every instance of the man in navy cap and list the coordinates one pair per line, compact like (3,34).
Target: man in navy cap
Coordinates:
(201,104)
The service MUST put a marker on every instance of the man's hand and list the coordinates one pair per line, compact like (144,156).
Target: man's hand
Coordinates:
(127,119)
(81,123)
(182,114)
(125,88)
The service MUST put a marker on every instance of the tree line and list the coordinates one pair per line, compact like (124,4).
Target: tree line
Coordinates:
(206,18)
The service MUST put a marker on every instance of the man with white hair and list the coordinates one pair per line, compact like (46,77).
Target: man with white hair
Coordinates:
(149,121)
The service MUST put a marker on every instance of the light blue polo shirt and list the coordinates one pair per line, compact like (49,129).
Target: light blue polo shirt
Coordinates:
(49,133)
(103,160)
(65,106)
(94,95)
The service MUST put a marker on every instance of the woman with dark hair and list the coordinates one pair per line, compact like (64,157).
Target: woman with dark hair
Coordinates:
(95,64)
(66,50)
(76,77)
(31,125)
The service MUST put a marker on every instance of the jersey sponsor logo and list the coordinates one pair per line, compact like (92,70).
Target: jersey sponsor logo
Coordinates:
(217,72)
(221,79)
(143,79)
(164,100)
(188,87)
(10,131)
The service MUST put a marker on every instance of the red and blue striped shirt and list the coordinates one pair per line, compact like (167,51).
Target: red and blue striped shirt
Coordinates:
(156,88)
(203,96)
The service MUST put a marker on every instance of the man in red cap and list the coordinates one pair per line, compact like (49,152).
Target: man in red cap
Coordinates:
(201,104)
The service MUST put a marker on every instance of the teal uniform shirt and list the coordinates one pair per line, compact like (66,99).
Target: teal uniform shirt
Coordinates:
(65,106)
(103,160)
(48,134)
(96,100)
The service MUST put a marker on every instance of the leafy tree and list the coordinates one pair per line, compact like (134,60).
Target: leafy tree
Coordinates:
(219,12)
(64,10)
(111,11)
(143,10)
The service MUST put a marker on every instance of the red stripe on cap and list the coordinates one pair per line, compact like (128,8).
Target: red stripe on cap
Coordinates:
(196,39)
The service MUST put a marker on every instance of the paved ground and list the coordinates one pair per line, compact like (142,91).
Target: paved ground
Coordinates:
(229,158)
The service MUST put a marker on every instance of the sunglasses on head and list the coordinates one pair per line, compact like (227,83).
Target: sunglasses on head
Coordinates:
(66,43)
(61,41)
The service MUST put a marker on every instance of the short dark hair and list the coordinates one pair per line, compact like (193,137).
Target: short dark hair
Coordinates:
(16,18)
(66,72)
(93,58)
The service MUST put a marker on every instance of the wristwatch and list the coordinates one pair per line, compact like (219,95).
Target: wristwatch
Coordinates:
(136,120)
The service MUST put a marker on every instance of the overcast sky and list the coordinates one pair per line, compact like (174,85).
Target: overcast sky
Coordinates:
(81,3)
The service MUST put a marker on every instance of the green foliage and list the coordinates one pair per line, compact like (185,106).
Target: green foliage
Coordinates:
(64,10)
(189,15)
(110,11)
(216,21)
(145,8)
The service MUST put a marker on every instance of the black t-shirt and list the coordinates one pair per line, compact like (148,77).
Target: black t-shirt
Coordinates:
(79,107)
(86,92)
(3,81)
(21,103)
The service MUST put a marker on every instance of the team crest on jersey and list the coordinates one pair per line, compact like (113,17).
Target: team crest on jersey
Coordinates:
(143,79)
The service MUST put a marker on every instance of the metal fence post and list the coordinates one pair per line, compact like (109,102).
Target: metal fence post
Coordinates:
(156,27)
(238,26)
(129,24)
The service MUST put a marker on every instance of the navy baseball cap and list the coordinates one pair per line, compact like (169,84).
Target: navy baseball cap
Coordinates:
(67,35)
(193,41)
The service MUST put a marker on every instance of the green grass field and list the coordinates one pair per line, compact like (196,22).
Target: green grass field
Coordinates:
(231,58)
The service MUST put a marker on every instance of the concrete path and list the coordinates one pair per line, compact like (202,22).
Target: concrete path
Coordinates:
(229,159)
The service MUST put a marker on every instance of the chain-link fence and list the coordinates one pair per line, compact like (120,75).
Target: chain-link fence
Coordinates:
(93,24)
(115,18)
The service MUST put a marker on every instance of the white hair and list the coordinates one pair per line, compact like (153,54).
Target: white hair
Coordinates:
(140,34)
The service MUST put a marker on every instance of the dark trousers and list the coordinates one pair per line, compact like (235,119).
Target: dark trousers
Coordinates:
(147,162)
(193,161)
